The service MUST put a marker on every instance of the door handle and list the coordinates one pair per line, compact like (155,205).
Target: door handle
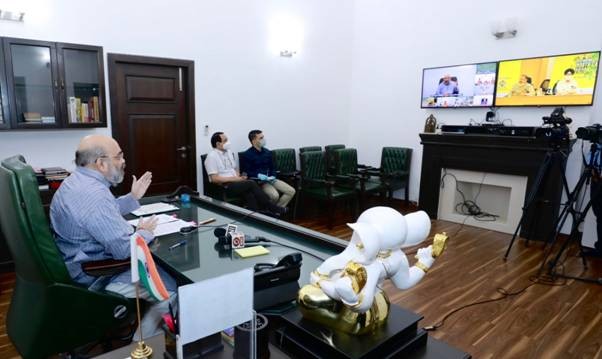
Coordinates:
(183,151)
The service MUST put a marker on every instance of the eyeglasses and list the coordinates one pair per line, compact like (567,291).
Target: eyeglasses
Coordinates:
(119,157)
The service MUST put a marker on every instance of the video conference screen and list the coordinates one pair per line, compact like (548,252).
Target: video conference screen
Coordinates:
(459,86)
(548,81)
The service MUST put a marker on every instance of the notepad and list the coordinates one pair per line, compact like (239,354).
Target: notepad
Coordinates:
(252,251)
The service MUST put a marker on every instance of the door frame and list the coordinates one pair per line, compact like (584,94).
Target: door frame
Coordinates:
(114,59)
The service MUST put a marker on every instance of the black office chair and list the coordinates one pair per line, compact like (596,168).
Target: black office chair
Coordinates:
(49,313)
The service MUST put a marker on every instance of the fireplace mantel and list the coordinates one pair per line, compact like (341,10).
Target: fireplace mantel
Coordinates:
(513,155)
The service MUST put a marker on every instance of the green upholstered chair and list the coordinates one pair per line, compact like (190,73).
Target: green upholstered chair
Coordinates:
(217,191)
(49,313)
(394,170)
(347,166)
(285,162)
(330,157)
(317,184)
(310,149)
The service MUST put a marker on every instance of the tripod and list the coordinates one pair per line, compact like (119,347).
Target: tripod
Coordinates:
(578,218)
(555,157)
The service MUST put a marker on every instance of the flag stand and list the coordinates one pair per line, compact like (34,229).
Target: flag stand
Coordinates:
(142,350)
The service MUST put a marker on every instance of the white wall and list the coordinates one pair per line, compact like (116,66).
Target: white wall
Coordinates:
(240,84)
(394,40)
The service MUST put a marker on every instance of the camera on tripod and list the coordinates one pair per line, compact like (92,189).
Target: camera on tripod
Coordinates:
(591,133)
(557,130)
(557,118)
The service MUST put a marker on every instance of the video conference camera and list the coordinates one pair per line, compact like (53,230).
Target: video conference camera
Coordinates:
(557,118)
(591,133)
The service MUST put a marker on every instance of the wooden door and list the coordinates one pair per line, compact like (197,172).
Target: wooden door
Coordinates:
(152,116)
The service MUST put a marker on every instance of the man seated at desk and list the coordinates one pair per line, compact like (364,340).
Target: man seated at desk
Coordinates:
(259,164)
(222,170)
(89,225)
(447,87)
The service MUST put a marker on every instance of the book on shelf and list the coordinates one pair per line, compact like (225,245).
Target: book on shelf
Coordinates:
(32,117)
(96,109)
(78,109)
(72,113)
(84,111)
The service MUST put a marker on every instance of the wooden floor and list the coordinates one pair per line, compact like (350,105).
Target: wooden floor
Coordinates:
(543,322)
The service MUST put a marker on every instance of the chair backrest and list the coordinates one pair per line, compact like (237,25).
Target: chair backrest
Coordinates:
(395,159)
(310,149)
(25,227)
(205,176)
(242,164)
(313,165)
(346,161)
(284,160)
(330,157)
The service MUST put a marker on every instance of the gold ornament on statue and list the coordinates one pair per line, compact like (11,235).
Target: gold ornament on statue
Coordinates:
(430,125)
(345,291)
(142,351)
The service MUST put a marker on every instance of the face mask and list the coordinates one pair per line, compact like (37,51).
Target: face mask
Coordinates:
(226,146)
(262,142)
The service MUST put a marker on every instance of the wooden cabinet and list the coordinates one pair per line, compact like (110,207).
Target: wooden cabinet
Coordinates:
(52,85)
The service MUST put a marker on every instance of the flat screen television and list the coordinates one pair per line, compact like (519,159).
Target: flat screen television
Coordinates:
(459,86)
(562,80)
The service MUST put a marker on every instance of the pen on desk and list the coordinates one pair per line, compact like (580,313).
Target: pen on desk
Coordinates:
(180,243)
(207,221)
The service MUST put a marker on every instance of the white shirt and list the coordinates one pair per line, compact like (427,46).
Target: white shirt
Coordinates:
(221,163)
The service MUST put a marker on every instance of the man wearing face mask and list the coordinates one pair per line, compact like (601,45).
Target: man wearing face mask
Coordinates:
(259,164)
(222,170)
(89,225)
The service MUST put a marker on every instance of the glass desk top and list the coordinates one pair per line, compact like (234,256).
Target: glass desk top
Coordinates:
(201,258)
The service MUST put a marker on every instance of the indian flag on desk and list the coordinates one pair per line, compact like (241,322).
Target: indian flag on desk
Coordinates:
(144,269)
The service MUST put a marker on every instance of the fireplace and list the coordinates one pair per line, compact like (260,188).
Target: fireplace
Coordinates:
(516,156)
(497,194)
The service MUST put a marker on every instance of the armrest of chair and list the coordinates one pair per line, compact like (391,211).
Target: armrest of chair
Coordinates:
(106,267)
(398,174)
(319,181)
(293,174)
(366,167)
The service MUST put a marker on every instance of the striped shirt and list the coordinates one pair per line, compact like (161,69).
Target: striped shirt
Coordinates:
(89,224)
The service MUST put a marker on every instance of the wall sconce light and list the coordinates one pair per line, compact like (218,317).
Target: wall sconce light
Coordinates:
(287,53)
(12,15)
(504,29)
(286,35)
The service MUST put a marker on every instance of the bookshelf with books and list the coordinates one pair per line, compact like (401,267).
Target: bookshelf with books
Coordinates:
(82,70)
(53,85)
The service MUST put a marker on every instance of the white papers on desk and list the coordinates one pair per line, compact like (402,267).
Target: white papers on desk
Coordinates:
(166,224)
(161,219)
(154,208)
(215,304)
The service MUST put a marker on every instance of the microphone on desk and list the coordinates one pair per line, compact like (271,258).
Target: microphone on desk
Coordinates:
(235,241)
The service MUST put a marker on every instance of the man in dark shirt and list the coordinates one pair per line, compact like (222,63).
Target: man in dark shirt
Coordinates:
(257,163)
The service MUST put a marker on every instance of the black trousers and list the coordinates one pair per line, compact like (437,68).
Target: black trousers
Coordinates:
(254,196)
(596,186)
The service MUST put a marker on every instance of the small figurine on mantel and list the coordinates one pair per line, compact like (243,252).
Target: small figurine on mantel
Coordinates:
(430,125)
(346,290)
